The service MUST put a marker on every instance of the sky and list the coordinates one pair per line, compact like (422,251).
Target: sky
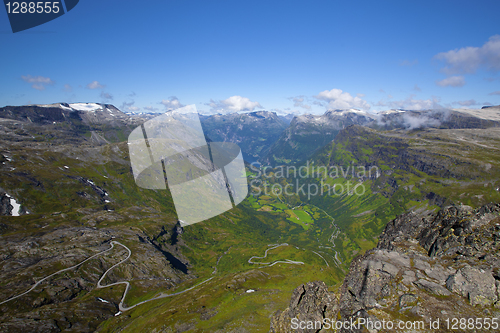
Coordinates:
(235,56)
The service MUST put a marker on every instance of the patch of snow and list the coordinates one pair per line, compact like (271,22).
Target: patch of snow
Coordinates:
(355,111)
(102,300)
(106,201)
(105,177)
(54,122)
(55,105)
(8,158)
(250,291)
(65,107)
(488,114)
(66,167)
(91,107)
(118,313)
(392,111)
(15,204)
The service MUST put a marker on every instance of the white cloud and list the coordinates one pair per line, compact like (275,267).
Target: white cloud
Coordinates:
(467,103)
(299,102)
(172,103)
(68,88)
(129,107)
(150,109)
(417,88)
(452,81)
(38,82)
(469,59)
(410,103)
(495,93)
(337,99)
(233,104)
(106,96)
(95,85)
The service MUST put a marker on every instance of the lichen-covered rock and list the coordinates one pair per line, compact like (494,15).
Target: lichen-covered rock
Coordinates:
(311,302)
(477,285)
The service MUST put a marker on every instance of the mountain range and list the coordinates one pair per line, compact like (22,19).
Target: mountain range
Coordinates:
(419,242)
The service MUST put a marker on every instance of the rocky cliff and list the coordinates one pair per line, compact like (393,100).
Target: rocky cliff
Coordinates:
(426,267)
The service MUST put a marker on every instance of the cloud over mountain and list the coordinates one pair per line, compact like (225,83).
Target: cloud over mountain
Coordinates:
(171,103)
(233,104)
(410,103)
(95,85)
(337,99)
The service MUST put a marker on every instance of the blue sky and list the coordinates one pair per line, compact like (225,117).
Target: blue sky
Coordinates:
(286,56)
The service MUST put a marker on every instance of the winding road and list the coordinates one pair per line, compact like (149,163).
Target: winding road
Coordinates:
(121,307)
(332,238)
(62,270)
(287,261)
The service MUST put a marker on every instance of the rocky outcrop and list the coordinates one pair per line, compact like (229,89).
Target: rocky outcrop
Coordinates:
(5,206)
(477,285)
(426,267)
(310,303)
(307,133)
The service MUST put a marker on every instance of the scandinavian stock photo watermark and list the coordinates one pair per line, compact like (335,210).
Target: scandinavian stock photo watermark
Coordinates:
(309,180)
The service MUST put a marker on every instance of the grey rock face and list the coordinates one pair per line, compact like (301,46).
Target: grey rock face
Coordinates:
(5,206)
(409,275)
(311,302)
(477,285)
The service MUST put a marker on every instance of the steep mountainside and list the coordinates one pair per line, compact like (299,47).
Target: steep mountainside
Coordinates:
(254,132)
(78,122)
(308,133)
(451,119)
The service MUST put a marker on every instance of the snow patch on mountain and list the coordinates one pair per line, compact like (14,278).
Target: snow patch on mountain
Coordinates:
(490,113)
(90,107)
(16,206)
(65,107)
(392,111)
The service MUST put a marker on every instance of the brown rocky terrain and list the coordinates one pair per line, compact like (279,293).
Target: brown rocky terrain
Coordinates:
(426,267)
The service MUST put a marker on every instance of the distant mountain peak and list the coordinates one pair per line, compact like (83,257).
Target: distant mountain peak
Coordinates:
(346,111)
